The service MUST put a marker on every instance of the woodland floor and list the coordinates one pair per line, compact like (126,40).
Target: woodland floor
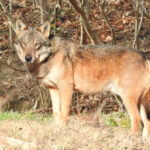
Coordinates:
(80,134)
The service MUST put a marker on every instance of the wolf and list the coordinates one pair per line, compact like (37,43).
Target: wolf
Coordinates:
(64,66)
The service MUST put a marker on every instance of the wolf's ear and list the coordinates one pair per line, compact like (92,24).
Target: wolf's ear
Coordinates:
(20,26)
(45,29)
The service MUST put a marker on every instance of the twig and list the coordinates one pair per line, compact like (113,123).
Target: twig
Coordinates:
(85,21)
(10,33)
(55,19)
(99,110)
(44,7)
(43,110)
(120,104)
(60,2)
(82,37)
(41,10)
(7,14)
(56,8)
(84,5)
(147,16)
(101,8)
(137,23)
(138,31)
(10,26)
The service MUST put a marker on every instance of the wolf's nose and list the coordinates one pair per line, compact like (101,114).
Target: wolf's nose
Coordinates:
(28,58)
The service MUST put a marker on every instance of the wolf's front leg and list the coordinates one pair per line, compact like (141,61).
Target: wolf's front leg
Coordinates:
(56,105)
(65,100)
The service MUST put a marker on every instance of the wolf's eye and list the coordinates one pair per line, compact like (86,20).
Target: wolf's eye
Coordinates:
(38,46)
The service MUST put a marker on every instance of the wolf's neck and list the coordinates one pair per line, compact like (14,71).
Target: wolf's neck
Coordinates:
(38,70)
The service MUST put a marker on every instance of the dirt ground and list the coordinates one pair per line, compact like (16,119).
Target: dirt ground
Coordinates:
(80,134)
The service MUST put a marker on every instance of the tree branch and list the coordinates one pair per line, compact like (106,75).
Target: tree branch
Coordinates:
(140,8)
(101,8)
(7,14)
(85,21)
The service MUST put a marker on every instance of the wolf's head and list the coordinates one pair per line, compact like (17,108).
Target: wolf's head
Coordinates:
(32,43)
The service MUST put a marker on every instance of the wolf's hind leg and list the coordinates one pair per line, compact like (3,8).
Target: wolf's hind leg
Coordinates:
(131,103)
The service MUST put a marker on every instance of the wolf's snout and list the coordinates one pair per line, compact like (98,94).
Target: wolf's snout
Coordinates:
(28,58)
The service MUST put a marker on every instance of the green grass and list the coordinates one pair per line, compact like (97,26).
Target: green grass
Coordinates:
(24,116)
(114,119)
(117,119)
